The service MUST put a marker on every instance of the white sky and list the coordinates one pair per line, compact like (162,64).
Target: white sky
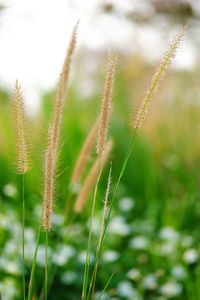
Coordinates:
(34,36)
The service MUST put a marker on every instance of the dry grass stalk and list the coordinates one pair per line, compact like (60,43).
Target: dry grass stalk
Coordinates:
(91,179)
(84,153)
(106,103)
(157,77)
(48,183)
(62,89)
(21,144)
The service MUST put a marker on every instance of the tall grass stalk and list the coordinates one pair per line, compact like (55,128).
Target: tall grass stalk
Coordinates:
(155,82)
(46,266)
(55,135)
(101,142)
(22,162)
(23,236)
(30,286)
(143,110)
(105,208)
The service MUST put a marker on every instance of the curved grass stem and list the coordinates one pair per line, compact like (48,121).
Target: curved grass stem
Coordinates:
(23,237)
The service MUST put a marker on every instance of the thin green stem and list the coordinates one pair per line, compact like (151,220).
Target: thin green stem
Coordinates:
(23,238)
(130,149)
(87,263)
(30,288)
(46,267)
(108,282)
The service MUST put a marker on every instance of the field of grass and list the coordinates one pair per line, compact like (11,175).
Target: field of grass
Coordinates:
(151,247)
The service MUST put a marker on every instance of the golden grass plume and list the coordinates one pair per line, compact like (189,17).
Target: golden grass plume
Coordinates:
(157,78)
(48,183)
(106,102)
(62,89)
(19,120)
(91,178)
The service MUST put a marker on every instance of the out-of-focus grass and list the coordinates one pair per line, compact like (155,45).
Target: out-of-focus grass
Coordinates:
(155,223)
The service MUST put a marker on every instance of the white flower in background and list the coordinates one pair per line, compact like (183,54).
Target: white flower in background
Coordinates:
(96,225)
(9,290)
(165,249)
(62,255)
(125,289)
(57,219)
(191,256)
(169,234)
(29,235)
(110,256)
(139,242)
(150,282)
(179,272)
(104,296)
(82,257)
(29,251)
(10,266)
(10,248)
(187,241)
(41,255)
(134,274)
(118,226)
(126,204)
(10,190)
(171,289)
(69,277)
(15,230)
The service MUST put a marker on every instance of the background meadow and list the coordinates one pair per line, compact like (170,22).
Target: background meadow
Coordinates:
(152,240)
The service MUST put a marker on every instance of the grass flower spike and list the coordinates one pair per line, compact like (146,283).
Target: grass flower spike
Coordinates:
(62,89)
(21,144)
(48,183)
(157,78)
(106,103)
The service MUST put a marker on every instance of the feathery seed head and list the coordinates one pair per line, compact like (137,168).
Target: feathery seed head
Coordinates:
(48,182)
(62,88)
(21,144)
(106,103)
(157,78)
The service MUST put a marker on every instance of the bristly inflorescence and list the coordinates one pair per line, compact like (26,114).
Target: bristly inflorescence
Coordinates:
(21,143)
(54,134)
(106,103)
(157,77)
(48,182)
(62,89)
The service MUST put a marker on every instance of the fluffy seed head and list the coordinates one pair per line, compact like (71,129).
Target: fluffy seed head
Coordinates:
(48,183)
(106,103)
(62,88)
(19,119)
(157,78)
(91,179)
